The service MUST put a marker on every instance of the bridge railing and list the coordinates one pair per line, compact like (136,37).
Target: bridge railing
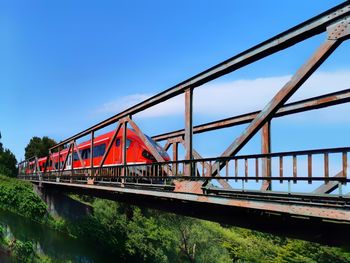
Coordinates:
(313,167)
(291,167)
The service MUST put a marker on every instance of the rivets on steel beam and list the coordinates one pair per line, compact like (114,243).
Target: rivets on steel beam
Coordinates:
(339,30)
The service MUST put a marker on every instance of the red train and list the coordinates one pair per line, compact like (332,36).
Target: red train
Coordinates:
(137,152)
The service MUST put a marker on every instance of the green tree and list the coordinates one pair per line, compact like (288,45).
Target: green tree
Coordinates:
(8,161)
(23,251)
(39,147)
(1,147)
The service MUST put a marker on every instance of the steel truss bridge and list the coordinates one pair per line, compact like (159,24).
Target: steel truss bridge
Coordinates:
(219,188)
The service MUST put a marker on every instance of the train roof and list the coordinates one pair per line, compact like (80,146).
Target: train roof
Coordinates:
(97,140)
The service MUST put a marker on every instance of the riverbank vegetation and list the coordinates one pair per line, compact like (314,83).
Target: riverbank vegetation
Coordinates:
(18,197)
(136,234)
(146,235)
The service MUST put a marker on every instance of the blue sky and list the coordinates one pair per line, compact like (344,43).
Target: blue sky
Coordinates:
(66,65)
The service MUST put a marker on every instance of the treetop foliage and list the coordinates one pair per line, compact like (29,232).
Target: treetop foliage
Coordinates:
(39,147)
(1,147)
(8,161)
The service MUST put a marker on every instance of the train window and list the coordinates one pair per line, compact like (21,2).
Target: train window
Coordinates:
(99,150)
(118,143)
(102,149)
(85,154)
(128,142)
(75,156)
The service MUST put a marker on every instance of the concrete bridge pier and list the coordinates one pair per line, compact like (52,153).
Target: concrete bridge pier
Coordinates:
(60,204)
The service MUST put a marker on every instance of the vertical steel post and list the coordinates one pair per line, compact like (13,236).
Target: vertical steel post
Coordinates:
(266,149)
(72,158)
(59,161)
(47,162)
(175,157)
(189,130)
(124,150)
(92,153)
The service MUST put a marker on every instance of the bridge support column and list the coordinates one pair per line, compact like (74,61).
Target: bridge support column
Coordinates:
(59,204)
(92,154)
(124,149)
(175,156)
(266,148)
(189,130)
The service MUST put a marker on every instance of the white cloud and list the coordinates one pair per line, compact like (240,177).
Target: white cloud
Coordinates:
(122,103)
(219,99)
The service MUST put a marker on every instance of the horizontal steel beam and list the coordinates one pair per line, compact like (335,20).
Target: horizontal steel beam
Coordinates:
(305,30)
(310,211)
(318,102)
(323,232)
(338,150)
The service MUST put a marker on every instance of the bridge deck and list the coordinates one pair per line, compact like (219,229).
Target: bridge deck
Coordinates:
(323,207)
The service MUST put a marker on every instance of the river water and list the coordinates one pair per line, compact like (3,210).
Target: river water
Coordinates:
(58,246)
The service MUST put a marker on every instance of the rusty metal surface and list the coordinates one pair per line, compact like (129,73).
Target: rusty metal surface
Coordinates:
(318,102)
(150,146)
(340,30)
(79,155)
(197,181)
(111,142)
(266,148)
(305,30)
(283,208)
(66,159)
(189,130)
(207,166)
(328,187)
(146,141)
(283,95)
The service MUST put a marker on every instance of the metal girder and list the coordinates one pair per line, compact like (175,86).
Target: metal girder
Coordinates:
(266,148)
(58,159)
(322,211)
(149,145)
(167,146)
(196,155)
(46,162)
(340,30)
(327,100)
(115,134)
(328,187)
(65,160)
(72,158)
(175,157)
(49,157)
(92,152)
(124,149)
(79,155)
(37,167)
(188,130)
(321,54)
(305,30)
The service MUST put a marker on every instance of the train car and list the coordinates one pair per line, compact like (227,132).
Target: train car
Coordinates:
(137,152)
